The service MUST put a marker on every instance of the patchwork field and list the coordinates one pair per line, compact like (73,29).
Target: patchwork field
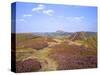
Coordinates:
(55,52)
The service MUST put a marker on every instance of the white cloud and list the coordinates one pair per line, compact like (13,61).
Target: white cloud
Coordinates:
(39,8)
(41,5)
(27,15)
(42,9)
(75,19)
(72,18)
(77,22)
(48,12)
(80,18)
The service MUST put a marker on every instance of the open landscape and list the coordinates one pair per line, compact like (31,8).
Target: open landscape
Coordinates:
(55,51)
(52,37)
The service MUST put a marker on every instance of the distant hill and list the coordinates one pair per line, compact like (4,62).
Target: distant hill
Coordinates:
(53,34)
(91,34)
(58,33)
(25,36)
(81,35)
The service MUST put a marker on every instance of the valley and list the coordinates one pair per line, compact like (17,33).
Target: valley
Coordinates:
(55,51)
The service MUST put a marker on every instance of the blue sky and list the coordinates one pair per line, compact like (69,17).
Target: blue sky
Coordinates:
(38,17)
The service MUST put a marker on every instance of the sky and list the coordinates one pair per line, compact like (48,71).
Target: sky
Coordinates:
(39,17)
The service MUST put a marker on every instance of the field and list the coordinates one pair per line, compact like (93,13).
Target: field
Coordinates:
(55,51)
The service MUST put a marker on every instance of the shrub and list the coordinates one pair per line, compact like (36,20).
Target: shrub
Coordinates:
(48,39)
(71,57)
(29,65)
(78,63)
(66,49)
(37,43)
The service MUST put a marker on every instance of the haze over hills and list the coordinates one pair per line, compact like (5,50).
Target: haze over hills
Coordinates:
(62,33)
(81,34)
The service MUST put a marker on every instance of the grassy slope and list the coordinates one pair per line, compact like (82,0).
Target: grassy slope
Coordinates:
(59,54)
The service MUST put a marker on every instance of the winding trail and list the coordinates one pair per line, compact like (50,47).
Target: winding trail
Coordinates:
(46,62)
(42,55)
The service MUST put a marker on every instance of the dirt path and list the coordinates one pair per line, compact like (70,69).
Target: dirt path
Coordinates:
(58,41)
(43,56)
(69,42)
(46,62)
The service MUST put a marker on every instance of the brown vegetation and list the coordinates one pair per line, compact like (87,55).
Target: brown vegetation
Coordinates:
(59,54)
(78,36)
(73,57)
(29,65)
(91,42)
(37,43)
